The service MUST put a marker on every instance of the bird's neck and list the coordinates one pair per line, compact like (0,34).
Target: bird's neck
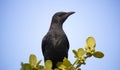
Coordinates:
(56,26)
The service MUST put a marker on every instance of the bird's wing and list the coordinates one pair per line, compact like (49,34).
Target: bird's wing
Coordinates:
(64,41)
(44,44)
(61,44)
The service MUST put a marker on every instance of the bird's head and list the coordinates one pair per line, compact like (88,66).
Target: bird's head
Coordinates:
(60,17)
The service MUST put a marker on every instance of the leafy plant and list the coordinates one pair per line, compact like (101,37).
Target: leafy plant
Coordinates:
(80,55)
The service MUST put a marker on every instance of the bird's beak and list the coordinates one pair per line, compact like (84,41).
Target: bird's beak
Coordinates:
(70,13)
(67,15)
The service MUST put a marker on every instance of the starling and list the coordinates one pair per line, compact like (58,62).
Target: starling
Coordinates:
(55,44)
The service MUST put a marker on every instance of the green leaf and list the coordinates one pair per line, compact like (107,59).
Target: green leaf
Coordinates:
(48,65)
(66,62)
(90,41)
(38,62)
(59,63)
(32,60)
(39,66)
(26,66)
(98,54)
(65,65)
(62,67)
(75,53)
(81,52)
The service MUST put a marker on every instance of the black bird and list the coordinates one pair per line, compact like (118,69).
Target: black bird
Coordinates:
(55,44)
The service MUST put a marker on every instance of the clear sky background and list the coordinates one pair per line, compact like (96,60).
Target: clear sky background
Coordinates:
(23,23)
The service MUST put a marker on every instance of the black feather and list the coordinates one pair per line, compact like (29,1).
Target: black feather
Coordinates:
(55,44)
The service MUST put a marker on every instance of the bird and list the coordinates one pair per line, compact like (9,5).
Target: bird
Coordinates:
(55,44)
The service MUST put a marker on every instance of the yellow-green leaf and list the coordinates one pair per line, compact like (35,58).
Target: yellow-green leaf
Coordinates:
(26,66)
(65,65)
(81,52)
(66,62)
(59,63)
(48,65)
(75,53)
(32,60)
(62,67)
(37,65)
(98,54)
(91,42)
(40,67)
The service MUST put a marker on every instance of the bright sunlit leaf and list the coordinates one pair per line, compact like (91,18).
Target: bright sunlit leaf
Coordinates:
(66,62)
(75,53)
(32,60)
(65,65)
(26,66)
(38,63)
(81,52)
(48,65)
(62,67)
(91,42)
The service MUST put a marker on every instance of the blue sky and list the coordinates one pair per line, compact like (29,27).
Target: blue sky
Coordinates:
(23,23)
